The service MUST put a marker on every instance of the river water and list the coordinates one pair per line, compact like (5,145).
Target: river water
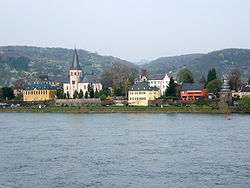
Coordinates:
(124,150)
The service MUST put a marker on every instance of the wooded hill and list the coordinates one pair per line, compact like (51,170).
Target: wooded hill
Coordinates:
(29,62)
(223,61)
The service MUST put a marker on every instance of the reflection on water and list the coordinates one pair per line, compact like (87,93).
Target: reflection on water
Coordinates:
(124,150)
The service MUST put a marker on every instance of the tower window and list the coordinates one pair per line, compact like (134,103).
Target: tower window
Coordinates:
(75,73)
(73,82)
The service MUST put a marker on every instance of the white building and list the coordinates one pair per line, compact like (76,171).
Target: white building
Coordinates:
(79,82)
(160,81)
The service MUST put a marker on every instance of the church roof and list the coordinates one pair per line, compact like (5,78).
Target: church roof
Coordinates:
(90,79)
(75,63)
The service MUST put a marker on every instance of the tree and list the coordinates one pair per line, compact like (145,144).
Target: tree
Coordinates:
(91,91)
(59,93)
(80,95)
(119,76)
(67,95)
(96,94)
(86,95)
(75,95)
(19,84)
(64,96)
(234,79)
(211,75)
(171,90)
(7,93)
(186,76)
(214,86)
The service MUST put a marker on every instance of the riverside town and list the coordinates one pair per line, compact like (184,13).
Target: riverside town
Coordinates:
(121,88)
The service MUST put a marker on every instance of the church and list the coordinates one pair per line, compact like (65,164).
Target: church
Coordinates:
(78,81)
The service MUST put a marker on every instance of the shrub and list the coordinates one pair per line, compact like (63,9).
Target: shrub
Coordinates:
(244,104)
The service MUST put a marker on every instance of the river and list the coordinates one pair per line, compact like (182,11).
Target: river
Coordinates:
(124,150)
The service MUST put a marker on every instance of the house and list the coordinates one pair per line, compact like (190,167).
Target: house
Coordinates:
(245,91)
(77,81)
(141,93)
(158,80)
(39,92)
(193,91)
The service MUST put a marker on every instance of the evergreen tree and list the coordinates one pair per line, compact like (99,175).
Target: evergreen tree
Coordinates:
(75,94)
(96,94)
(7,93)
(80,95)
(59,93)
(91,91)
(67,95)
(211,75)
(171,90)
(64,96)
(86,95)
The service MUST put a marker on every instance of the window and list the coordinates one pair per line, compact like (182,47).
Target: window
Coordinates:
(75,73)
(73,82)
(71,73)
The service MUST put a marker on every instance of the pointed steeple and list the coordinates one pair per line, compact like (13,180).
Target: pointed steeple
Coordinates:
(75,63)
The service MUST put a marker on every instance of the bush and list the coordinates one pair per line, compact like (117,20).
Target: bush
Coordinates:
(244,104)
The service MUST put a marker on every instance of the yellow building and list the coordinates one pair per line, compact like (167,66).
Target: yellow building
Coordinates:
(141,93)
(39,92)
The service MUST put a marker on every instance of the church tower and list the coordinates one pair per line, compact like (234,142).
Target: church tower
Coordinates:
(75,73)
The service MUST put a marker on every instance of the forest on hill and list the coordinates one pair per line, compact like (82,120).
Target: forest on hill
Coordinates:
(29,62)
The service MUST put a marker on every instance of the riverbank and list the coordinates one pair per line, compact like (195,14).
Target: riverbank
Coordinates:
(121,109)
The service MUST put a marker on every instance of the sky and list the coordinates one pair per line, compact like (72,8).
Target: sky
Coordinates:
(128,29)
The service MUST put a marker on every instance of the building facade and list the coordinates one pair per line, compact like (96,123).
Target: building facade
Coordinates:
(141,93)
(77,81)
(39,92)
(245,91)
(193,91)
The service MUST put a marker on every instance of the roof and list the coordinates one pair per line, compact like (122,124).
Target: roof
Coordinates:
(246,88)
(140,86)
(156,77)
(40,87)
(75,63)
(194,86)
(90,79)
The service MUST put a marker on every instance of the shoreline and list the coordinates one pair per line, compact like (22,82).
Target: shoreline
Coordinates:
(120,109)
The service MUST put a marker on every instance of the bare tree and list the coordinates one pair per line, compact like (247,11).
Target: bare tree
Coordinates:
(234,79)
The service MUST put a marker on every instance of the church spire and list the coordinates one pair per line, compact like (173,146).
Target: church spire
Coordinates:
(75,63)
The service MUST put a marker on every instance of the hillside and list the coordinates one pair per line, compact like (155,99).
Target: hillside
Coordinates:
(223,61)
(165,64)
(29,62)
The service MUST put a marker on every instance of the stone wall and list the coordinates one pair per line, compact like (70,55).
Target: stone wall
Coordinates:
(77,102)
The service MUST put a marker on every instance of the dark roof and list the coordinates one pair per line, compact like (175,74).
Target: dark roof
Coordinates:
(75,63)
(90,79)
(156,77)
(194,86)
(139,86)
(40,87)
(246,88)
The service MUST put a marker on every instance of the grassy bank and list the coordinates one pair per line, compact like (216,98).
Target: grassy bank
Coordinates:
(118,109)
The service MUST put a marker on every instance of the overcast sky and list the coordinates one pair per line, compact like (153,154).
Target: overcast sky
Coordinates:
(129,29)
